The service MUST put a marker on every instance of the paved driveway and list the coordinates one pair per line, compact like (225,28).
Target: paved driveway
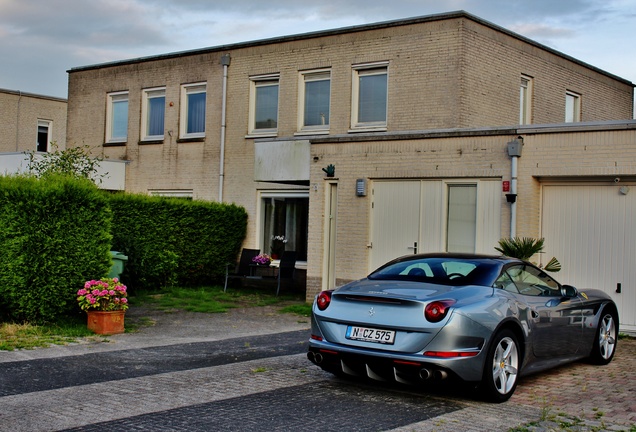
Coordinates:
(245,370)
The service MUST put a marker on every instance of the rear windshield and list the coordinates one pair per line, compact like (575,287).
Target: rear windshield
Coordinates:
(444,271)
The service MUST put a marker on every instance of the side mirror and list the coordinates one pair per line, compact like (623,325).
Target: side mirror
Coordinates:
(569,291)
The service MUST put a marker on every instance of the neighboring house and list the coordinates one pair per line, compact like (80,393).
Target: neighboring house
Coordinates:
(31,122)
(36,123)
(365,143)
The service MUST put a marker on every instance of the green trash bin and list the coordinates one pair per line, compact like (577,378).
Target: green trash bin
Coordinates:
(118,264)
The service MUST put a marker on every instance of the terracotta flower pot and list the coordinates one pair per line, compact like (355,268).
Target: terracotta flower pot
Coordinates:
(106,322)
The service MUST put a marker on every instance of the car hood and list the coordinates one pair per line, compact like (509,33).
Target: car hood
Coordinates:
(418,291)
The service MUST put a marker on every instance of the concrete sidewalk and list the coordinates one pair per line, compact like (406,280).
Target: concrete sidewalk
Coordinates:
(160,328)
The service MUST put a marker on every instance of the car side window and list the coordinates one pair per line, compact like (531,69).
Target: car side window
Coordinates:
(504,282)
(531,281)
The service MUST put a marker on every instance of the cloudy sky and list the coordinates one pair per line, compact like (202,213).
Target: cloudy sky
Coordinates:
(41,39)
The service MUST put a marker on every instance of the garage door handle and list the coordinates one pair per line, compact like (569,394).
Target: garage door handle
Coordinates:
(414,247)
(619,289)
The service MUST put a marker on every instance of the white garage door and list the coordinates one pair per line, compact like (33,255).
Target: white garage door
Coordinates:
(591,230)
(410,216)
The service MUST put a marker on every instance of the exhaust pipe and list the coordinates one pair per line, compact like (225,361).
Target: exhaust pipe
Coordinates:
(440,374)
(425,373)
(315,357)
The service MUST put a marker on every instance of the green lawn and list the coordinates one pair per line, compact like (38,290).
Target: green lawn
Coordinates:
(204,300)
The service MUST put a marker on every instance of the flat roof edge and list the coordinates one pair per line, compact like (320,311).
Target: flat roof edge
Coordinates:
(351,29)
(478,132)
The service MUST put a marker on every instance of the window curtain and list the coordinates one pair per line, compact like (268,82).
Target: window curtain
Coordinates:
(372,98)
(120,119)
(317,103)
(196,113)
(156,110)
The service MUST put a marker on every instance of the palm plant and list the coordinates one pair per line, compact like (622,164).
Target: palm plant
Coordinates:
(524,248)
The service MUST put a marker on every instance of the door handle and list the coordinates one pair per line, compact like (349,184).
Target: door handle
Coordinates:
(534,314)
(414,247)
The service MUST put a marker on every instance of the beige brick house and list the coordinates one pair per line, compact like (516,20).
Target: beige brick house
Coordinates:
(411,119)
(29,122)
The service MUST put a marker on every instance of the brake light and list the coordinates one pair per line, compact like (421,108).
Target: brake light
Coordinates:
(323,300)
(437,310)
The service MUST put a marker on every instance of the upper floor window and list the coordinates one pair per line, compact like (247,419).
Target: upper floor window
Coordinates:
(314,99)
(263,115)
(193,97)
(369,96)
(572,107)
(44,135)
(117,117)
(153,112)
(525,100)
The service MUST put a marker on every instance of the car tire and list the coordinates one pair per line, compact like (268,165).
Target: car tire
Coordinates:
(501,370)
(606,339)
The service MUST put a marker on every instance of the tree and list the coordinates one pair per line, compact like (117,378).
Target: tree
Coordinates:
(524,248)
(75,162)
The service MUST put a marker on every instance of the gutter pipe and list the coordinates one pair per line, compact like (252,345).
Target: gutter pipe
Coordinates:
(225,61)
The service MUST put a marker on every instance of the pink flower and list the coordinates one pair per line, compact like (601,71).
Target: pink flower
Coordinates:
(104,292)
(95,292)
(115,280)
(111,292)
(124,300)
(92,300)
(116,300)
(82,292)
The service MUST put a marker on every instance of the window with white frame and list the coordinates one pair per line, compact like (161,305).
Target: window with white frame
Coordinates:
(461,218)
(284,223)
(525,100)
(263,115)
(314,99)
(153,110)
(369,96)
(172,193)
(572,107)
(117,117)
(193,97)
(44,135)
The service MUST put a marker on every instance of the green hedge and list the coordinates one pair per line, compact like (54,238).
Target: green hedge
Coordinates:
(57,233)
(175,241)
(54,235)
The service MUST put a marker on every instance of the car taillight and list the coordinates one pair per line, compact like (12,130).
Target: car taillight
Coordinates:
(324,298)
(437,310)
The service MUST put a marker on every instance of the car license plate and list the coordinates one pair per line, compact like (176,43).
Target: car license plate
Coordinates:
(370,335)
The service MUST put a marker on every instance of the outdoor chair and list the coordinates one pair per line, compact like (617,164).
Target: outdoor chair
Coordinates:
(286,268)
(242,268)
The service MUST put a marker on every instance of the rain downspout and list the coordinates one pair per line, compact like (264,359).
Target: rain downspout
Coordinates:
(514,151)
(17,129)
(225,61)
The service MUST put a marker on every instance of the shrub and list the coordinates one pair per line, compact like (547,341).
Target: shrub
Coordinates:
(171,240)
(54,235)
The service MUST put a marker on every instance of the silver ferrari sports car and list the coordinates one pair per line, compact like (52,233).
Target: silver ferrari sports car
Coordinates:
(484,319)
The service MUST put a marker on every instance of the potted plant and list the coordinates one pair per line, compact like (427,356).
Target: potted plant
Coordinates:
(105,302)
(278,246)
(262,260)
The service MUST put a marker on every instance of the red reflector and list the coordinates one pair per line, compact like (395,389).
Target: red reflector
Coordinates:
(316,337)
(325,351)
(451,354)
(408,363)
